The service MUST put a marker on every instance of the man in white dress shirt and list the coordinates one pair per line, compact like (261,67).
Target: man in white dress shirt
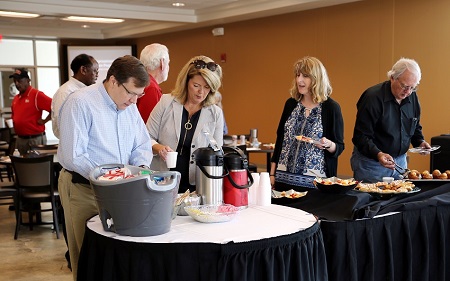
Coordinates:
(85,73)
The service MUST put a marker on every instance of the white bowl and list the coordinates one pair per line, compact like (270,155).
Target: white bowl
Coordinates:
(189,201)
(212,213)
(388,179)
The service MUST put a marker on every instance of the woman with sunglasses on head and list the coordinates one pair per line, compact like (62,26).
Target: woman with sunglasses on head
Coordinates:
(179,120)
(310,135)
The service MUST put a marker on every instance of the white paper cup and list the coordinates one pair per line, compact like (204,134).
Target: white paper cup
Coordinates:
(9,123)
(171,160)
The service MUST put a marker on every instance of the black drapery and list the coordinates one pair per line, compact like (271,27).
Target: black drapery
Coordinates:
(412,245)
(299,256)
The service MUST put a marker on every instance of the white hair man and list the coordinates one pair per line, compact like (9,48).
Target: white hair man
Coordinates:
(155,58)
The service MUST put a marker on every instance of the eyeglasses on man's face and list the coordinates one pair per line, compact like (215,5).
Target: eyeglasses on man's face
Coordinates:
(132,93)
(199,64)
(407,88)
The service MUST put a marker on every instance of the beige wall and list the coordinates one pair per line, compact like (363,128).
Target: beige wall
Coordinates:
(357,42)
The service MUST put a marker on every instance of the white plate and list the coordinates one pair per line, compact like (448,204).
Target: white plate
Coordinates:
(292,194)
(307,139)
(424,150)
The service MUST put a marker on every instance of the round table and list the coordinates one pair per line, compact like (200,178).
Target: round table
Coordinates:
(261,243)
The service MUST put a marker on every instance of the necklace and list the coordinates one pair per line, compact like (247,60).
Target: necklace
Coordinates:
(187,127)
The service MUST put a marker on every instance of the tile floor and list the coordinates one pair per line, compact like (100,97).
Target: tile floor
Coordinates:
(36,255)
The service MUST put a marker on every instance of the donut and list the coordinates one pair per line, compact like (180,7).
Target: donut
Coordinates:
(448,173)
(414,175)
(436,173)
(443,176)
(426,175)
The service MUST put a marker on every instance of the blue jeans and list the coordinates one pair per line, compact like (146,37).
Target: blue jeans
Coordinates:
(370,170)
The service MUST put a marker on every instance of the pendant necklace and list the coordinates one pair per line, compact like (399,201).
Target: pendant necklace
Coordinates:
(187,127)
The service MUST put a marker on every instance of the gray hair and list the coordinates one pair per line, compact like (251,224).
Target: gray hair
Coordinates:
(152,54)
(403,64)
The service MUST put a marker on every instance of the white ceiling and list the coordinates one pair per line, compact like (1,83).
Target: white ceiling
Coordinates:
(142,17)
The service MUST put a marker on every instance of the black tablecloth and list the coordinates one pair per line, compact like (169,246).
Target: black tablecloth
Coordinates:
(412,245)
(356,205)
(296,257)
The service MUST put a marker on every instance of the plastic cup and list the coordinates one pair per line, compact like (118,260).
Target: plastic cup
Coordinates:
(9,123)
(171,160)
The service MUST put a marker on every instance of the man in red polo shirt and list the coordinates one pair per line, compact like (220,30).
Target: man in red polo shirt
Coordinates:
(26,108)
(155,58)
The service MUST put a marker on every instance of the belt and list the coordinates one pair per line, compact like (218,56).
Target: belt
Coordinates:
(77,178)
(31,136)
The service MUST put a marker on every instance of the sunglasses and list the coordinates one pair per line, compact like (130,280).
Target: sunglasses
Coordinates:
(200,64)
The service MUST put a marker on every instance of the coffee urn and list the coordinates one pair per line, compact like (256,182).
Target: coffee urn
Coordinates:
(209,172)
(239,178)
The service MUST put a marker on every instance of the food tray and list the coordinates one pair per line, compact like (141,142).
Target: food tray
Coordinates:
(336,187)
(212,213)
(385,196)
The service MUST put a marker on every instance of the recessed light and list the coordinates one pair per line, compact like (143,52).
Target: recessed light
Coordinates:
(89,19)
(17,15)
(85,26)
(178,4)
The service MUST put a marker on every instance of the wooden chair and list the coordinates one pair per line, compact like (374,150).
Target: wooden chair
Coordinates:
(34,178)
(45,149)
(8,149)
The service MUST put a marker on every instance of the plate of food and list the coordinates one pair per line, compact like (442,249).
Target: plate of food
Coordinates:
(426,175)
(292,194)
(384,190)
(212,213)
(307,139)
(335,184)
(422,150)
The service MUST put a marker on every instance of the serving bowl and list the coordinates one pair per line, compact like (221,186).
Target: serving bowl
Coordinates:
(335,185)
(192,200)
(212,213)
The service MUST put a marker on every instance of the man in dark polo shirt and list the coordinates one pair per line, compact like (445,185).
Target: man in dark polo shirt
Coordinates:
(26,108)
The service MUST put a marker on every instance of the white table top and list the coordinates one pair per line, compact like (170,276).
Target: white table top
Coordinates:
(253,223)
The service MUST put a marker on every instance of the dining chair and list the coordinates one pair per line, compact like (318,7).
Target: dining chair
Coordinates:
(51,149)
(6,170)
(34,179)
(45,148)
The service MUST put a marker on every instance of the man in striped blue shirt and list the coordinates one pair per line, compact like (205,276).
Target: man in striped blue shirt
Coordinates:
(99,124)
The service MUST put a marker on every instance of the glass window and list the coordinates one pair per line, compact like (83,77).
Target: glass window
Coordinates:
(47,53)
(9,48)
(48,82)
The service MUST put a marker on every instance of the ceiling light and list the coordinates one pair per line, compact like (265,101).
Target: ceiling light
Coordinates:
(89,19)
(178,4)
(17,15)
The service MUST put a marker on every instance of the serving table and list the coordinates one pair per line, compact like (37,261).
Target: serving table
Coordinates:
(261,243)
(402,238)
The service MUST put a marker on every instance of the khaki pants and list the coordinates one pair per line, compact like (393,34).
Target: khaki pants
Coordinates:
(79,205)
